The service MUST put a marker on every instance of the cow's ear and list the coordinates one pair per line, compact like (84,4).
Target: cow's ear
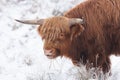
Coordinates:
(76,30)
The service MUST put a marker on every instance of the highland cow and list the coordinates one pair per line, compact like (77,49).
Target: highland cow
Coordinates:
(88,33)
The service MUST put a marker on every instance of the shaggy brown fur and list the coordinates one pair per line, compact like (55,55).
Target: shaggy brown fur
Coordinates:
(95,43)
(56,33)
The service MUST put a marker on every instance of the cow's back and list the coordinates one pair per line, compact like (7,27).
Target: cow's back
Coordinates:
(102,17)
(102,32)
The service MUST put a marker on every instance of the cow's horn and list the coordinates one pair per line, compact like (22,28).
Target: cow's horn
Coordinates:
(34,22)
(76,21)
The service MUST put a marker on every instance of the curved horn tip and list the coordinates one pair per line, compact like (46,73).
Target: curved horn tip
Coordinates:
(33,22)
(19,21)
(16,20)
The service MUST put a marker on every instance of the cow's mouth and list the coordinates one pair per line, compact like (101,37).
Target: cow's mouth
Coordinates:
(53,55)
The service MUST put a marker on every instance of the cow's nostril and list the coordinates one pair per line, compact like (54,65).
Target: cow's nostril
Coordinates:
(48,55)
(49,51)
(52,51)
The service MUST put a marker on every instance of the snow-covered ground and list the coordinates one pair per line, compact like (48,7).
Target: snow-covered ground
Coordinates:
(21,53)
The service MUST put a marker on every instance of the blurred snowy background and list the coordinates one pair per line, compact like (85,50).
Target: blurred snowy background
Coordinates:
(21,53)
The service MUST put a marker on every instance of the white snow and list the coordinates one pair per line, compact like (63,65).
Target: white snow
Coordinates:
(21,53)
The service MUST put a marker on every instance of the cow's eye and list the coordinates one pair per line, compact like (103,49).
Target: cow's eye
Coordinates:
(62,36)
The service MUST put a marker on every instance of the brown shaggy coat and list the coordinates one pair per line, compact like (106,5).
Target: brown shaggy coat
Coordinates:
(100,38)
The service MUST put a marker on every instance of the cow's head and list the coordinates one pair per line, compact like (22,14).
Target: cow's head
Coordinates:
(57,34)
